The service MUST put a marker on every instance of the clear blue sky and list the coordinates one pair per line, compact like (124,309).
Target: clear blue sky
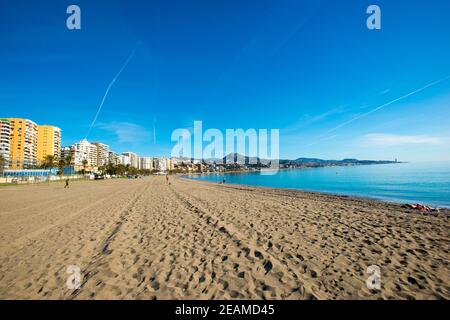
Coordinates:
(308,68)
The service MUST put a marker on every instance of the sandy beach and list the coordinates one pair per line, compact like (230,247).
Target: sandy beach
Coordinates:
(144,239)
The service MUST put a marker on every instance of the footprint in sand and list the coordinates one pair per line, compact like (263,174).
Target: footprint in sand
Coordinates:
(268,266)
(259,255)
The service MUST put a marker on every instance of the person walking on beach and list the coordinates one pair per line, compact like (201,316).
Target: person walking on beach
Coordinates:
(67,183)
(167,179)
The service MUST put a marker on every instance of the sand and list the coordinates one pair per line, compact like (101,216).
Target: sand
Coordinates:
(143,239)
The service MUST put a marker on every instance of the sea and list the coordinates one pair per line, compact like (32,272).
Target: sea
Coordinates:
(422,182)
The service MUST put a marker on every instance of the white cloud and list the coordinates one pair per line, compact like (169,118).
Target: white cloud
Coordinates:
(128,132)
(396,140)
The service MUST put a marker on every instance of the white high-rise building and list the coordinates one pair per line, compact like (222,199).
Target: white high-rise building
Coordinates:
(5,133)
(133,159)
(160,164)
(113,158)
(67,151)
(102,153)
(124,160)
(146,163)
(84,150)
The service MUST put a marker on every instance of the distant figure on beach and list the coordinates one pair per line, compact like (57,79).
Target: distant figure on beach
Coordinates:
(223,181)
(67,183)
(167,179)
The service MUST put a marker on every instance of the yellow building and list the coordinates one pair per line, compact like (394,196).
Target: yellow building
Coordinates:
(23,143)
(169,165)
(48,142)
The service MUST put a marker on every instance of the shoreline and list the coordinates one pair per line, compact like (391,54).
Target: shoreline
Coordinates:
(311,192)
(299,168)
(378,199)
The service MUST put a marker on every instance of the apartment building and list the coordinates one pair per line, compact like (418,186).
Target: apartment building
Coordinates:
(66,152)
(48,142)
(146,163)
(23,143)
(5,133)
(113,158)
(102,153)
(131,158)
(160,164)
(84,150)
(169,164)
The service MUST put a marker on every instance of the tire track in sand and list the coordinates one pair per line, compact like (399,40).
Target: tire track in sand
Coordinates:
(268,266)
(98,259)
(21,241)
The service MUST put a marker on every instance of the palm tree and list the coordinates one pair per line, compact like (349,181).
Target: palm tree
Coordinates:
(68,161)
(111,168)
(103,169)
(85,163)
(2,163)
(61,166)
(120,169)
(49,162)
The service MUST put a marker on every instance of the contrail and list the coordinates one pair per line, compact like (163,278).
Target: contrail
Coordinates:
(109,88)
(154,131)
(324,137)
(387,104)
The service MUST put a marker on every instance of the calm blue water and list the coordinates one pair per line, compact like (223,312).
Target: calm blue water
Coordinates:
(427,183)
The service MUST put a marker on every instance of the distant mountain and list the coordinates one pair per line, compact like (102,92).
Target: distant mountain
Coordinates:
(308,160)
(241,159)
(316,161)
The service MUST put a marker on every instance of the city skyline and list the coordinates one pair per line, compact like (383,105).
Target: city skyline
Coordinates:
(24,144)
(332,87)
